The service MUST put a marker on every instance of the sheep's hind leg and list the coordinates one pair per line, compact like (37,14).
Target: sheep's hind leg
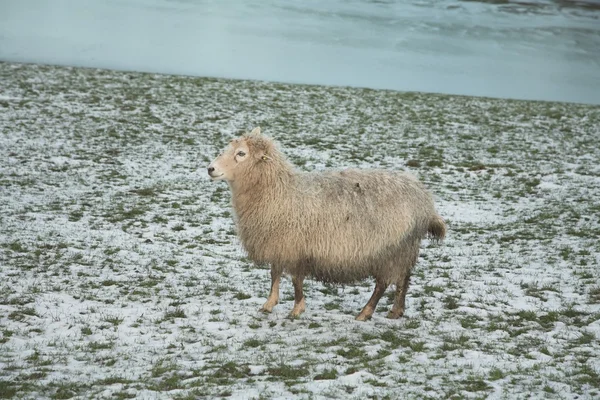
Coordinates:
(273,298)
(369,308)
(400,299)
(299,304)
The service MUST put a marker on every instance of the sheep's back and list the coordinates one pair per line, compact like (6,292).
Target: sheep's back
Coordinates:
(354,217)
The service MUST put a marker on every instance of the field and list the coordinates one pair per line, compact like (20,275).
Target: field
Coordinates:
(121,275)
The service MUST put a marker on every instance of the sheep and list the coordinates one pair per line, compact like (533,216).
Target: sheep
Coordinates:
(334,226)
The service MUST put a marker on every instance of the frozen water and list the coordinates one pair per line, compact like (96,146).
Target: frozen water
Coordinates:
(540,49)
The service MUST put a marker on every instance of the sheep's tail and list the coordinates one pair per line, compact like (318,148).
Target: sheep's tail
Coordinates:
(437,228)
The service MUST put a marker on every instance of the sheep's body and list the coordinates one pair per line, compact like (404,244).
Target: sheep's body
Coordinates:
(335,226)
(338,227)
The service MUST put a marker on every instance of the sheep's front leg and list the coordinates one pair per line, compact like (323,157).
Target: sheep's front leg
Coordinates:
(299,304)
(369,308)
(273,298)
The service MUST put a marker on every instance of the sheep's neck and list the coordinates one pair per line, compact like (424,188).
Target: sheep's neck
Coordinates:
(251,198)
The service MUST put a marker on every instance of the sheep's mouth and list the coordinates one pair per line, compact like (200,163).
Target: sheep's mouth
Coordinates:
(216,176)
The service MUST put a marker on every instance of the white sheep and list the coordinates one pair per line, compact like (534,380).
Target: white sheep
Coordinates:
(334,226)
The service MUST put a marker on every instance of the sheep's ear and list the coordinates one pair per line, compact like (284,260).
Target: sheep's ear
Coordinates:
(255,131)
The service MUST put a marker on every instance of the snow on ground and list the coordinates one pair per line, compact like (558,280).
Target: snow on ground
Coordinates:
(121,275)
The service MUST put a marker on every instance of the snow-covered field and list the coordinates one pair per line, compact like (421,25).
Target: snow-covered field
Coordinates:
(121,275)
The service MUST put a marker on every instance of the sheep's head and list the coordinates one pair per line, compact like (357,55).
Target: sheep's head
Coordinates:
(241,154)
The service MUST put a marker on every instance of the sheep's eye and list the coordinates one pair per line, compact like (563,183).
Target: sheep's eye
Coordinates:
(241,153)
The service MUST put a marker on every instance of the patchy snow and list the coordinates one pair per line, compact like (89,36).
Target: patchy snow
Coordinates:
(121,275)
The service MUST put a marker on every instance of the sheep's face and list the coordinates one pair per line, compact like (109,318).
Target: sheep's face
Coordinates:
(225,166)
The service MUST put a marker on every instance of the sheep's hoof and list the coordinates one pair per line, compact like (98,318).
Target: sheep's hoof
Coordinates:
(362,317)
(297,310)
(266,309)
(295,314)
(394,315)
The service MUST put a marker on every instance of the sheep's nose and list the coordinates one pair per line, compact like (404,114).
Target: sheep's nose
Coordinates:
(211,169)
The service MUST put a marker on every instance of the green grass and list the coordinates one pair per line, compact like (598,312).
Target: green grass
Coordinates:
(287,372)
(242,296)
(327,374)
(7,389)
(175,313)
(253,343)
